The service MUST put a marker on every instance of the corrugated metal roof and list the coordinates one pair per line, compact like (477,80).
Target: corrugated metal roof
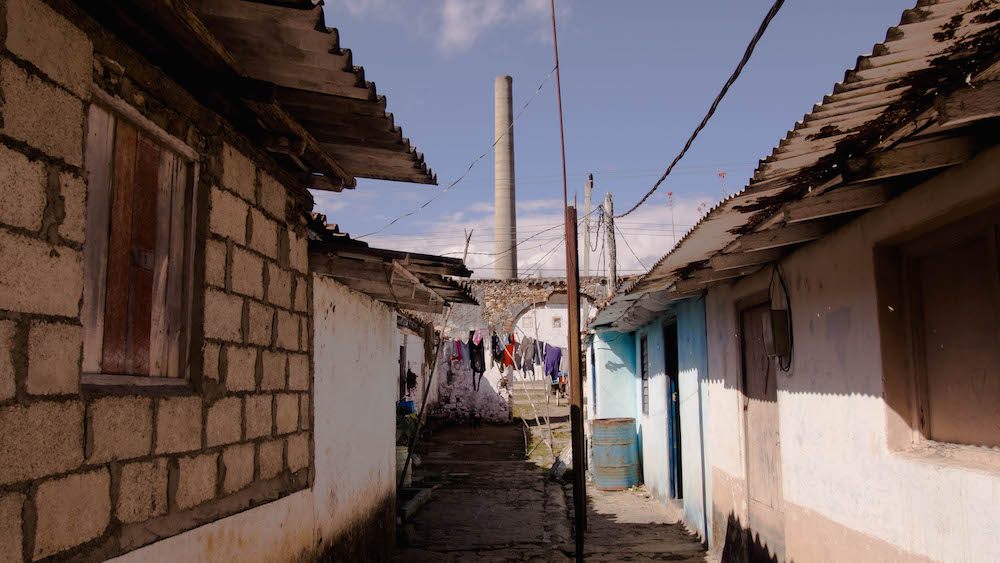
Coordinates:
(886,101)
(291,46)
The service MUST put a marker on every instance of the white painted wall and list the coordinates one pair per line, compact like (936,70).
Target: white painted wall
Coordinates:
(355,386)
(838,474)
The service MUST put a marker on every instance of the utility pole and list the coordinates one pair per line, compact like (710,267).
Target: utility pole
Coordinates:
(586,224)
(468,238)
(609,237)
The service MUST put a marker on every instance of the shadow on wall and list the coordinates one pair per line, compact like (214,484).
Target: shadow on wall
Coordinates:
(743,546)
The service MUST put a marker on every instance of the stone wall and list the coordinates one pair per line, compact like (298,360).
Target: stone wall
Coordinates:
(91,473)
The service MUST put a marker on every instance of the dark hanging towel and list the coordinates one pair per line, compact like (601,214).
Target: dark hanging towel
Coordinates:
(497,349)
(477,355)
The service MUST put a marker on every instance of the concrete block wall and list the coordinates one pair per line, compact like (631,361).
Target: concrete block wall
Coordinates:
(89,473)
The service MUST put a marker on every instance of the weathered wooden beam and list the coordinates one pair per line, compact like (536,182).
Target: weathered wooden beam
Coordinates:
(417,282)
(970,104)
(909,159)
(784,236)
(737,260)
(837,202)
(702,278)
(317,182)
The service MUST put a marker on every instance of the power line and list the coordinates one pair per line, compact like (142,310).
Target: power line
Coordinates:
(629,246)
(718,99)
(477,159)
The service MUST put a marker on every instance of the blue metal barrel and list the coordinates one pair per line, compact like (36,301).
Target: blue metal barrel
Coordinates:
(615,454)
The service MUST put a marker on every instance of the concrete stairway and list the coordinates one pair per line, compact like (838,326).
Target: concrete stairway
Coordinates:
(526,392)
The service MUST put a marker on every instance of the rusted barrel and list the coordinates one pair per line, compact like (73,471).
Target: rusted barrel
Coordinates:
(615,453)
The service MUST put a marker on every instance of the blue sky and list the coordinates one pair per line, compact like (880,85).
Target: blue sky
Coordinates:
(637,77)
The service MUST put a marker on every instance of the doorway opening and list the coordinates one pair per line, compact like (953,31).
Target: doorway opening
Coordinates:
(673,410)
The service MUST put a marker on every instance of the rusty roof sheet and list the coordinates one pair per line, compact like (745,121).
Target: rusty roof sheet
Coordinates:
(938,47)
(288,43)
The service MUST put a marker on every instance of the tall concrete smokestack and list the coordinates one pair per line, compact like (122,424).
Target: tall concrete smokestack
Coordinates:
(504,213)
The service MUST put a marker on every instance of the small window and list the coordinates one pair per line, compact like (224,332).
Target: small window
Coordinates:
(950,284)
(644,372)
(556,322)
(138,250)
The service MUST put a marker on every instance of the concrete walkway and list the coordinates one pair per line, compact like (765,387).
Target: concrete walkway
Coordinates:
(490,504)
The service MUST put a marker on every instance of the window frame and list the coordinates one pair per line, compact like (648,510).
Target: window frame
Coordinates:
(906,391)
(644,371)
(175,320)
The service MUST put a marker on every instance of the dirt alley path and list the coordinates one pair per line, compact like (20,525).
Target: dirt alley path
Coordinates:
(492,505)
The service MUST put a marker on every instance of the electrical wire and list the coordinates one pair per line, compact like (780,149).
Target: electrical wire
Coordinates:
(469,169)
(718,99)
(629,246)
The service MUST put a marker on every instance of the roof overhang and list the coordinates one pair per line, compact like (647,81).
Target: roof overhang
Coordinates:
(417,282)
(926,101)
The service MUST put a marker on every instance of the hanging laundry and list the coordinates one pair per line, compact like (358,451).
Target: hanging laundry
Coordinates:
(465,353)
(497,349)
(478,335)
(508,351)
(553,356)
(477,356)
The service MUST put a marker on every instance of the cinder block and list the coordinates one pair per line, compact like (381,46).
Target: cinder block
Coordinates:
(7,385)
(74,196)
(215,263)
(270,455)
(273,370)
(298,372)
(272,196)
(223,316)
(224,421)
(22,190)
(298,252)
(242,371)
(298,451)
(264,234)
(279,286)
(286,412)
(257,409)
(210,361)
(305,417)
(54,352)
(196,480)
(41,115)
(288,330)
(40,439)
(228,217)
(304,332)
(142,491)
(261,323)
(71,511)
(37,277)
(10,525)
(238,173)
(178,424)
(238,461)
(58,48)
(119,428)
(301,299)
(248,273)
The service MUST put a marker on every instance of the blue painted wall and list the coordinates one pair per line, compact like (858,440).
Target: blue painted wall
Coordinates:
(619,394)
(614,354)
(692,350)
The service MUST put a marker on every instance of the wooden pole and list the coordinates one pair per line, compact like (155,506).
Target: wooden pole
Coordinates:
(587,190)
(576,382)
(609,237)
